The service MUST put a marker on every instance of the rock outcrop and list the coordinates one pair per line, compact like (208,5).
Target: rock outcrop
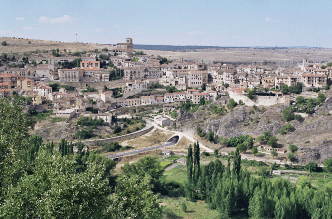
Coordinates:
(318,154)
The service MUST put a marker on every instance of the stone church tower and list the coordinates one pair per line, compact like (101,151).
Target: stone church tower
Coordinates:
(130,51)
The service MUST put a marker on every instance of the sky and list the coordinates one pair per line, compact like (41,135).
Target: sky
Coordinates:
(167,22)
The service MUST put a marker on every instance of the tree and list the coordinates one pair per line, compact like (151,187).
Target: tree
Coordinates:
(201,101)
(145,166)
(197,166)
(117,129)
(273,142)
(291,157)
(327,87)
(252,93)
(237,162)
(300,100)
(133,199)
(292,148)
(311,166)
(298,117)
(190,164)
(203,87)
(284,88)
(226,85)
(184,206)
(4,43)
(281,131)
(231,104)
(65,193)
(328,164)
(215,152)
(288,128)
(242,147)
(274,153)
(288,113)
(29,42)
(14,142)
(254,150)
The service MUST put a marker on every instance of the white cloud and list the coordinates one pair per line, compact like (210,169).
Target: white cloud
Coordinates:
(20,18)
(99,30)
(270,20)
(63,19)
(30,28)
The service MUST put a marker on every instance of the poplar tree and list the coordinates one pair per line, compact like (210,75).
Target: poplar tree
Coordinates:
(197,169)
(237,162)
(190,164)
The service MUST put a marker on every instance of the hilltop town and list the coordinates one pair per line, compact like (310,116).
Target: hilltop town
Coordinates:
(138,110)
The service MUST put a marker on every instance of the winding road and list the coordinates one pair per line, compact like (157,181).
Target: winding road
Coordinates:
(123,154)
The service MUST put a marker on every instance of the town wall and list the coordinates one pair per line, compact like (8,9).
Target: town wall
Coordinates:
(260,100)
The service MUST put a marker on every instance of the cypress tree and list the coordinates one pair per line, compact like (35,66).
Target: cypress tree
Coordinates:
(237,162)
(197,169)
(190,164)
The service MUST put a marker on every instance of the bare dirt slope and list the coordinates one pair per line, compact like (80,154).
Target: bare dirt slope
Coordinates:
(248,54)
(19,45)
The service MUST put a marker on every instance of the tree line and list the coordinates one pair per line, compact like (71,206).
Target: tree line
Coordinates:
(232,190)
(46,180)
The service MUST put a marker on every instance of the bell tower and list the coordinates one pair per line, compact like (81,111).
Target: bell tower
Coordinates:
(130,51)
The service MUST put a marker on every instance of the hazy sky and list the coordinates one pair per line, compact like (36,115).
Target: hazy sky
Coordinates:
(219,23)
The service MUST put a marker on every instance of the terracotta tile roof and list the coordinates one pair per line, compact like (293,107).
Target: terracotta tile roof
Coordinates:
(201,94)
(312,75)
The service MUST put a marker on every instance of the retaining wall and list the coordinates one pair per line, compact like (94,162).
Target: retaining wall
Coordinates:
(260,100)
(138,133)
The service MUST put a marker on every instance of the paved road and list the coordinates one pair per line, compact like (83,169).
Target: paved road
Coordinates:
(141,150)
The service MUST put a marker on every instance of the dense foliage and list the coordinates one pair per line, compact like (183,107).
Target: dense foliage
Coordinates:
(236,191)
(39,180)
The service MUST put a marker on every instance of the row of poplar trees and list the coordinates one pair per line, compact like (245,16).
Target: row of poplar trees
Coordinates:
(235,191)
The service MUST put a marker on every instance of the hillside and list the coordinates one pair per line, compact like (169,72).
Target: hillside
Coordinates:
(311,134)
(20,45)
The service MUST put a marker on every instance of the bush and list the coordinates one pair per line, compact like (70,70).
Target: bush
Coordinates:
(288,113)
(113,146)
(288,128)
(29,42)
(273,142)
(215,152)
(231,104)
(206,153)
(328,164)
(298,117)
(292,148)
(184,206)
(4,43)
(311,166)
(291,157)
(117,129)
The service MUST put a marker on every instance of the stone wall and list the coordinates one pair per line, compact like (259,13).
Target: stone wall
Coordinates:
(138,133)
(260,100)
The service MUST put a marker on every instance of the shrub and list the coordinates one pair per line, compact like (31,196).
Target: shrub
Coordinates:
(184,206)
(298,117)
(292,148)
(4,43)
(117,129)
(215,152)
(206,153)
(311,166)
(291,157)
(288,128)
(328,164)
(254,150)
